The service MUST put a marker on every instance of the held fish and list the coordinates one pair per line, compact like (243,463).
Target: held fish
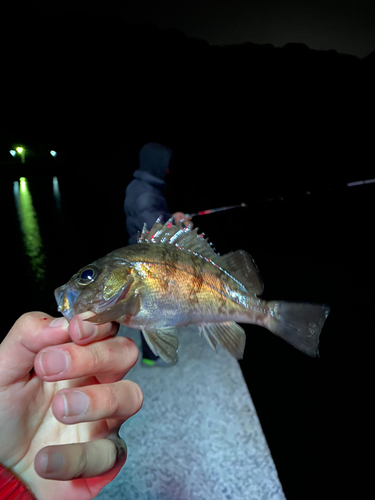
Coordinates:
(172,277)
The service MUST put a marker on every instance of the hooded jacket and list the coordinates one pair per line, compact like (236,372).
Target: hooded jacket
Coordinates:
(144,197)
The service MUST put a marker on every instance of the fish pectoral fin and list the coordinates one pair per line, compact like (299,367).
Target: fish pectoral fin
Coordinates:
(163,343)
(241,266)
(230,336)
(129,306)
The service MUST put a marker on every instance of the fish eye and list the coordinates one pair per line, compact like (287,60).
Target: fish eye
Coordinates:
(86,276)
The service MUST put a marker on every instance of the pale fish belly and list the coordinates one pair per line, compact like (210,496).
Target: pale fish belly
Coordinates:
(179,308)
(161,310)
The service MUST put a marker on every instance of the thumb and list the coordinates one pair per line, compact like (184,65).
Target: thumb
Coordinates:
(30,333)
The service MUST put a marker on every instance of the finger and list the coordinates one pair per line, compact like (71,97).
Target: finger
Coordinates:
(108,360)
(83,332)
(30,333)
(119,400)
(80,460)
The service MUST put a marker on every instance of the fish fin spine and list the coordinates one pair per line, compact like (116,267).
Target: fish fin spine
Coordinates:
(180,236)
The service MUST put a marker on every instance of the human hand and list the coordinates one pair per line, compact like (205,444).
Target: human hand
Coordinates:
(59,422)
(179,216)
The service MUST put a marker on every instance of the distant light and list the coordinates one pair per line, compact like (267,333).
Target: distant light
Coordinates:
(19,150)
(358,183)
(13,152)
(23,182)
(53,153)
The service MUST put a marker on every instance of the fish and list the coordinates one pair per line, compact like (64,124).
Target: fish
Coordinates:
(173,277)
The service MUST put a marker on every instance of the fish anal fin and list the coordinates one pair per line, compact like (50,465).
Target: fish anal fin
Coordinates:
(229,335)
(128,307)
(242,267)
(163,343)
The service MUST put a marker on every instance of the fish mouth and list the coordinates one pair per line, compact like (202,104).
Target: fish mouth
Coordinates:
(65,300)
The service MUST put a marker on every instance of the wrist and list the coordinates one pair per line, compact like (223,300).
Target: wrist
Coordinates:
(11,488)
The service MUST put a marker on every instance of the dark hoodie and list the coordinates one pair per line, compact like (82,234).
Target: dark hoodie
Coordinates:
(144,198)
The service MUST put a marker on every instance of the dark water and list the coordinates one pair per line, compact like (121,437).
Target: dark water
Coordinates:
(314,248)
(54,226)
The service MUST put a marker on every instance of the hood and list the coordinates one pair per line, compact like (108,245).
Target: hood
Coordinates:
(154,159)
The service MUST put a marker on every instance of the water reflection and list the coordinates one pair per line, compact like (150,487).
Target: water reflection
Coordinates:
(56,193)
(30,229)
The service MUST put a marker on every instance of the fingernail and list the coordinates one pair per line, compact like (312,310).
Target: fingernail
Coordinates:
(59,323)
(121,452)
(53,362)
(85,328)
(121,448)
(52,462)
(75,403)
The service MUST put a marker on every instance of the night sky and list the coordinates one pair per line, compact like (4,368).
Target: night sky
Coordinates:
(347,26)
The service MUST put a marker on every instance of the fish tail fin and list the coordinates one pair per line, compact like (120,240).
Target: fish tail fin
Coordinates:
(299,324)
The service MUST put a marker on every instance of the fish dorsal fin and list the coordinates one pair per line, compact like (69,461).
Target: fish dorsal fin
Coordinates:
(238,265)
(242,267)
(184,238)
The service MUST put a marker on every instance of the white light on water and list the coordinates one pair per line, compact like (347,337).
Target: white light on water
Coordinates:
(29,226)
(56,189)
(23,184)
(13,152)
(56,192)
(16,191)
(53,153)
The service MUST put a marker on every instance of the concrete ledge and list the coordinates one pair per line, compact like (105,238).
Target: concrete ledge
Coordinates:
(197,436)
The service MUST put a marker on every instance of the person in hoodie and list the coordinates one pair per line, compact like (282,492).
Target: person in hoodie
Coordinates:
(145,202)
(145,194)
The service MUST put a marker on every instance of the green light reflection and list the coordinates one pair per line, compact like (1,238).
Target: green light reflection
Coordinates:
(30,229)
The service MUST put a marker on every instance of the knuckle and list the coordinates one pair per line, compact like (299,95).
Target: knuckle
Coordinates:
(30,324)
(24,321)
(98,356)
(109,454)
(111,401)
(82,462)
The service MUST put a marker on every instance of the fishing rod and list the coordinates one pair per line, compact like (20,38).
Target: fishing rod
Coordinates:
(213,210)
